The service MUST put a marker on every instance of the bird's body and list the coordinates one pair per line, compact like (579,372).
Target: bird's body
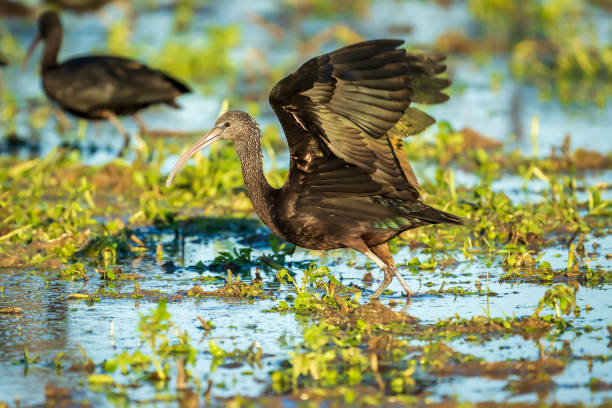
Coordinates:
(11,8)
(79,5)
(90,86)
(100,87)
(349,185)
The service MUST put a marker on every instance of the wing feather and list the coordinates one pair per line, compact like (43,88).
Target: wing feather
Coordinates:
(353,104)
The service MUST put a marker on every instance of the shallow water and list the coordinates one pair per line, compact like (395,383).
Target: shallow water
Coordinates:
(50,324)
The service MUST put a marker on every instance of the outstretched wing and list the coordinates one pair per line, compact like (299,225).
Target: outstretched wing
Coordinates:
(354,104)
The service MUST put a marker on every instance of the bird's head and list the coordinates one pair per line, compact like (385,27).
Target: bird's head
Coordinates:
(232,125)
(49,26)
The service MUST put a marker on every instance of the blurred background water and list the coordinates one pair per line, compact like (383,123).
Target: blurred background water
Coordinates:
(269,39)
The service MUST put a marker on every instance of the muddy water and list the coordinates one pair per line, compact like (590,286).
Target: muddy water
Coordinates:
(50,324)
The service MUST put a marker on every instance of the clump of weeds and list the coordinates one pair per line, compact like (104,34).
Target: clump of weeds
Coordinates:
(233,288)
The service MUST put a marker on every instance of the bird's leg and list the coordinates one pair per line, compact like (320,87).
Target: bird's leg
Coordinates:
(142,127)
(401,280)
(383,252)
(112,118)
(62,119)
(381,264)
(384,285)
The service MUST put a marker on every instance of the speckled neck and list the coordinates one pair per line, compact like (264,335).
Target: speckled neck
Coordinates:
(257,187)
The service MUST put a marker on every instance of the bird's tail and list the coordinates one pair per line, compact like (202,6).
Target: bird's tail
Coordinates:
(432,215)
(178,85)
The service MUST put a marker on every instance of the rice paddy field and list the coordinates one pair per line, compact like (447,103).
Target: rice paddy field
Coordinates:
(118,291)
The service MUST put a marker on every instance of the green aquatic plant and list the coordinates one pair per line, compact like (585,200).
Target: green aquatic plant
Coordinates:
(184,14)
(238,259)
(28,360)
(319,292)
(232,288)
(280,252)
(118,39)
(156,332)
(152,331)
(560,298)
(251,356)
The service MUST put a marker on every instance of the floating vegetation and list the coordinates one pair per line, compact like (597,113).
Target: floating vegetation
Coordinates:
(233,288)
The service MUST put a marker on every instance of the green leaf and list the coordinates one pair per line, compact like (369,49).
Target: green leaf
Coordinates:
(78,296)
(100,379)
(110,366)
(216,351)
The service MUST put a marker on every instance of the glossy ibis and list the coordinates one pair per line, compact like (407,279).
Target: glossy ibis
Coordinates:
(11,8)
(100,87)
(350,184)
(79,5)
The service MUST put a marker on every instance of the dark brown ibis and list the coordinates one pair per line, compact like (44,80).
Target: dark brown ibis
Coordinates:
(350,184)
(100,87)
(11,8)
(3,63)
(79,5)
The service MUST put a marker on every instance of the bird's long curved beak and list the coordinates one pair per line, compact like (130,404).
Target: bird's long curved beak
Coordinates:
(31,48)
(212,136)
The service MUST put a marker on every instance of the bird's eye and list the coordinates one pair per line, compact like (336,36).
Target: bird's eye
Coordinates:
(226,124)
